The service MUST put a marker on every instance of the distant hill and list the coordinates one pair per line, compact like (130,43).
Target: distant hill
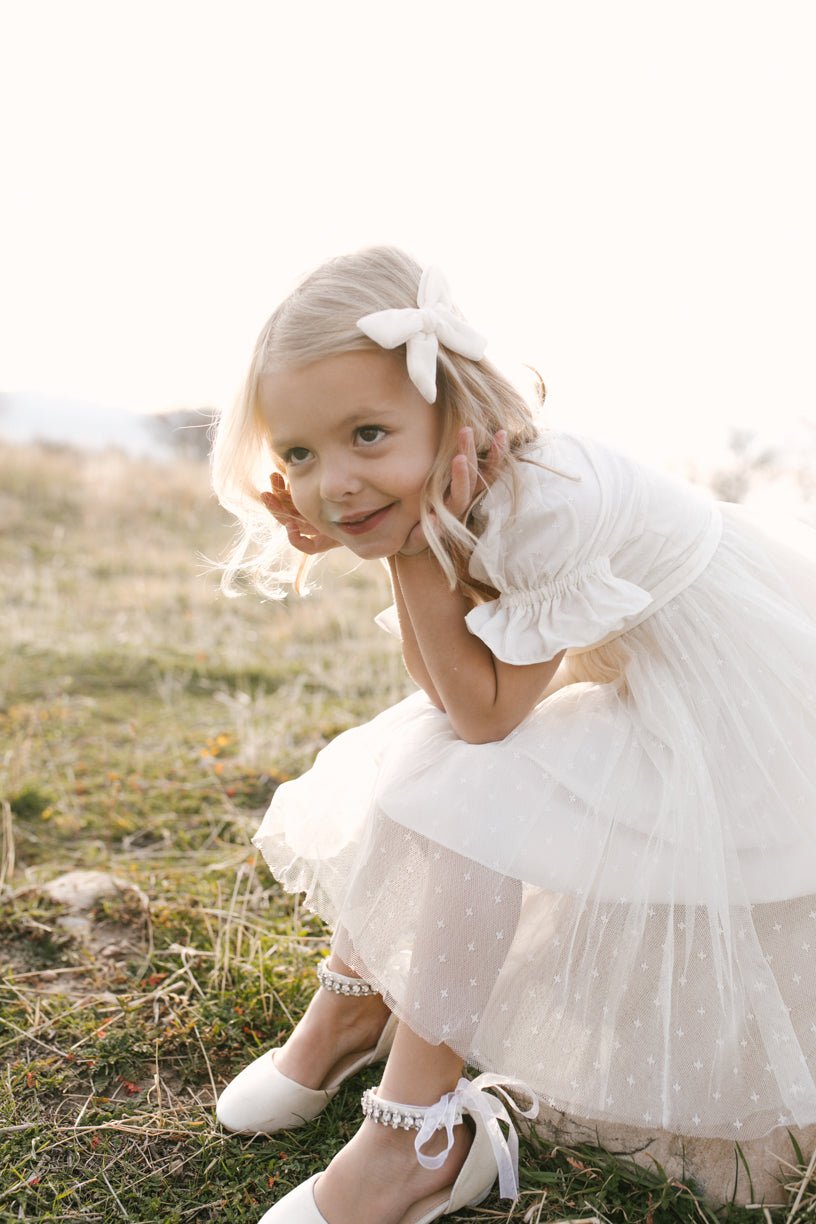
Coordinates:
(38,417)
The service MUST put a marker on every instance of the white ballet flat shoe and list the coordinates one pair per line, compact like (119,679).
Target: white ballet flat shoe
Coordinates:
(491,1153)
(261,1099)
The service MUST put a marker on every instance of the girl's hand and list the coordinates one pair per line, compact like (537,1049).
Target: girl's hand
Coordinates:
(302,535)
(466,479)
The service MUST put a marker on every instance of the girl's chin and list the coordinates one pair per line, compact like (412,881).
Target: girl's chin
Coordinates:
(373,551)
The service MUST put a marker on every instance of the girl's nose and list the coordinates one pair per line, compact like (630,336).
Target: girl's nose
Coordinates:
(338,480)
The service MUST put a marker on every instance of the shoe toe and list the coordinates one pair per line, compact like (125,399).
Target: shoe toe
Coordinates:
(297,1207)
(261,1099)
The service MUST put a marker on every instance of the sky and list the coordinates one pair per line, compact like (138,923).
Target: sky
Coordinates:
(620,192)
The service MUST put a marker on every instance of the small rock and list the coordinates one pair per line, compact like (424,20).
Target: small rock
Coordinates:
(79,890)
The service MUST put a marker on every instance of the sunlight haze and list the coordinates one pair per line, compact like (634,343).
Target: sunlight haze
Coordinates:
(620,194)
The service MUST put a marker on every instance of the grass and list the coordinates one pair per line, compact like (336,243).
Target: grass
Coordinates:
(145,722)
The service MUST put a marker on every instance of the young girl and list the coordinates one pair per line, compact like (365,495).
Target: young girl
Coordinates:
(580,858)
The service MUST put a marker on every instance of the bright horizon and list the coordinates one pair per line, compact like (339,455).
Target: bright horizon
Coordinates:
(618,194)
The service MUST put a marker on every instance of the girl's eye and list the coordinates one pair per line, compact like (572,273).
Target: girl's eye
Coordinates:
(369,434)
(297,455)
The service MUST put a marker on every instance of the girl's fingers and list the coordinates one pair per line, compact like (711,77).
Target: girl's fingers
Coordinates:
(279,510)
(466,477)
(279,501)
(272,505)
(461,485)
(298,540)
(464,474)
(302,535)
(304,543)
(468,447)
(284,513)
(279,487)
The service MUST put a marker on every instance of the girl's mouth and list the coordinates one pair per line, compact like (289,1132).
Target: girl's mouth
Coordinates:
(367,522)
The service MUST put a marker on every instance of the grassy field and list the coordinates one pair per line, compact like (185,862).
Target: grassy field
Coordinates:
(145,722)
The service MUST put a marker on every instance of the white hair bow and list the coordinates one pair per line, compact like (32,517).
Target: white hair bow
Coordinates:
(421,328)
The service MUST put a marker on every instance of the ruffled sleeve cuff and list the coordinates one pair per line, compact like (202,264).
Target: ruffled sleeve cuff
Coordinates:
(583,608)
(389,621)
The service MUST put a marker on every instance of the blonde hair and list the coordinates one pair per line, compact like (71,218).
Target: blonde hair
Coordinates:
(317,320)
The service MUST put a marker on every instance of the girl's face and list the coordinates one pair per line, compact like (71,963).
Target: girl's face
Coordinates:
(356,441)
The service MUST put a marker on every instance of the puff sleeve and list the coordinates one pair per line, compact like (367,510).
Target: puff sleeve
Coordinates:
(548,547)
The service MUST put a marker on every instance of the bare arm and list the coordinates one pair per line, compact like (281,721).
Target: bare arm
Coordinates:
(412,656)
(483,697)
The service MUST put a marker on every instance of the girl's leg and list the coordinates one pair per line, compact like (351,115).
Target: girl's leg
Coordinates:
(455,962)
(332,1027)
(376,1177)
(456,966)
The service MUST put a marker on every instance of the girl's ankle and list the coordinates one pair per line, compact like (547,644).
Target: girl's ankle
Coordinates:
(352,1013)
(333,1027)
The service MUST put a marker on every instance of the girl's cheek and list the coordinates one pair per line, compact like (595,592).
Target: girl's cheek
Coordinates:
(295,487)
(298,503)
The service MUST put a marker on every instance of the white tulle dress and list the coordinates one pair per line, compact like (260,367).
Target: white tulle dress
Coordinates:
(616,903)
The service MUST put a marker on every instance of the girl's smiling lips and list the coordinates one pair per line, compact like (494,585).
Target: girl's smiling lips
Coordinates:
(358,524)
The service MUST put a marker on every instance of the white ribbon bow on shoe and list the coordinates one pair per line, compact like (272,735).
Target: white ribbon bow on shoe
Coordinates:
(421,328)
(470,1095)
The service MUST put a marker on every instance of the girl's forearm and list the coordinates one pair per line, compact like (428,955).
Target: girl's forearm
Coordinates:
(411,653)
(460,667)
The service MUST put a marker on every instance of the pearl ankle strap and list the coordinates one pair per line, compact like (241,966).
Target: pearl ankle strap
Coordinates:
(399,1117)
(474,1097)
(338,983)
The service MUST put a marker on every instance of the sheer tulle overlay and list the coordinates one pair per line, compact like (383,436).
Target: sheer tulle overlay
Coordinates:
(616,902)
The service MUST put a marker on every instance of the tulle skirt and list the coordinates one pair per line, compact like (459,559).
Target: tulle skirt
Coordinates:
(617,902)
